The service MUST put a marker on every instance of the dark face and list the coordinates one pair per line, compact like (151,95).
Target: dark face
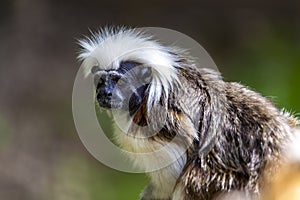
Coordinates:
(124,88)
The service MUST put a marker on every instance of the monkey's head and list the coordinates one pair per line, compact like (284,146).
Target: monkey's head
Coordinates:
(123,88)
(129,68)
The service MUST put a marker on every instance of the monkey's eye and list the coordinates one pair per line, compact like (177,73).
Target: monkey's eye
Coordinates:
(121,82)
(115,78)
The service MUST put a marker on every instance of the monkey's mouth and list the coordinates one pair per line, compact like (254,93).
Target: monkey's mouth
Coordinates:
(108,102)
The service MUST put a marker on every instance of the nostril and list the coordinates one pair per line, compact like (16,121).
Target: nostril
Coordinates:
(102,92)
(109,95)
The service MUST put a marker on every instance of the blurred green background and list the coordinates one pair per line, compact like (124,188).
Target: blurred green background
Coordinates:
(253,42)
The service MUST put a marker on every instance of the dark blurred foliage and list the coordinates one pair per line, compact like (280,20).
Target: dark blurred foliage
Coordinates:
(41,157)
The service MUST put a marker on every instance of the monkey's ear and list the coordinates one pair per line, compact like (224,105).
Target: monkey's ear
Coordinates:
(89,65)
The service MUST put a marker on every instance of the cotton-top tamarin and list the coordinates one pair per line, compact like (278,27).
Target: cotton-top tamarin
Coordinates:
(231,134)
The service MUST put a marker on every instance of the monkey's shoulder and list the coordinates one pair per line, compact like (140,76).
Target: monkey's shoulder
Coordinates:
(248,104)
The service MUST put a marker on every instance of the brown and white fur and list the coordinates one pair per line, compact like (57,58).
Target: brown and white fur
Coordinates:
(229,134)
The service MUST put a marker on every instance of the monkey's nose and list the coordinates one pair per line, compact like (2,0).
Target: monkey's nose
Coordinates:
(104,99)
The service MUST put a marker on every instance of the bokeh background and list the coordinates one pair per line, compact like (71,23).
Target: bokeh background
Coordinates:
(253,42)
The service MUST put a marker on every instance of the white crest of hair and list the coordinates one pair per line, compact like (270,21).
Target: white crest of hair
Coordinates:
(112,46)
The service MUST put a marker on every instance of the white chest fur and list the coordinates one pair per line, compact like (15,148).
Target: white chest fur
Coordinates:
(163,180)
